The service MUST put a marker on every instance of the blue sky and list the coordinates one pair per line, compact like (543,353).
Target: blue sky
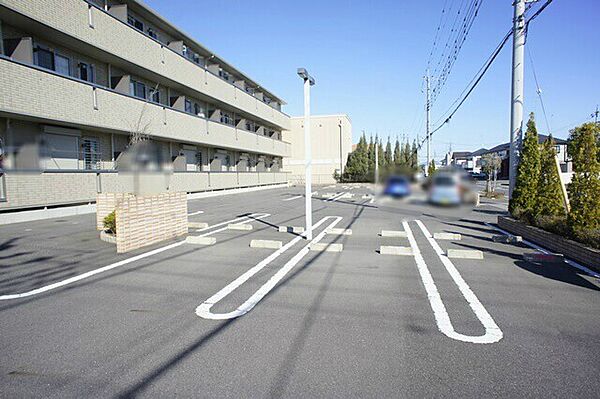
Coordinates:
(369,57)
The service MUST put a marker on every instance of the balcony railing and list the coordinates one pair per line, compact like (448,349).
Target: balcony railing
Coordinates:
(202,66)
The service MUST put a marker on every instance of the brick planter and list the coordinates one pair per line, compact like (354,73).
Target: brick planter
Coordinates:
(555,243)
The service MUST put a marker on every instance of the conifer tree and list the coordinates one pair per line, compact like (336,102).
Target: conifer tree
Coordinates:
(549,201)
(388,156)
(584,190)
(414,164)
(524,194)
(397,153)
(407,155)
(431,168)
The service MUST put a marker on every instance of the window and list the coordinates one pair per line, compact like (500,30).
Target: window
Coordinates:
(199,110)
(91,153)
(62,64)
(44,58)
(226,118)
(155,96)
(86,72)
(137,89)
(249,90)
(557,149)
(136,23)
(152,33)
(224,75)
(250,126)
(188,107)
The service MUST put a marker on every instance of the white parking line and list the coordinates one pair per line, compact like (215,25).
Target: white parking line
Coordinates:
(239,220)
(492,331)
(204,309)
(195,213)
(336,197)
(120,263)
(543,250)
(293,198)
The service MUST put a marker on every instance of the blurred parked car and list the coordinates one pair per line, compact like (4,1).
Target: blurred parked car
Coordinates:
(397,186)
(452,188)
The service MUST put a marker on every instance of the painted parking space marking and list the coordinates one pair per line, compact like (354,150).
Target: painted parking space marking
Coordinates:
(293,198)
(570,262)
(195,213)
(123,262)
(204,309)
(492,331)
(336,197)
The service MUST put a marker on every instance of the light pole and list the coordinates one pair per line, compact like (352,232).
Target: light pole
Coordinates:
(308,81)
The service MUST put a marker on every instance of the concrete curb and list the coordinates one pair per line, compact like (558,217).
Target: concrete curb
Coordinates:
(393,250)
(269,244)
(539,257)
(392,233)
(447,236)
(197,225)
(291,229)
(325,247)
(464,254)
(199,240)
(240,226)
(341,232)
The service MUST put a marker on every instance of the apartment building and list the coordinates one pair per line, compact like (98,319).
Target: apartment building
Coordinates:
(80,78)
(331,142)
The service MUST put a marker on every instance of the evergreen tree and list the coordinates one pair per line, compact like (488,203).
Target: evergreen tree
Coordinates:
(380,156)
(414,159)
(549,200)
(388,161)
(431,168)
(397,153)
(524,194)
(407,155)
(357,167)
(584,190)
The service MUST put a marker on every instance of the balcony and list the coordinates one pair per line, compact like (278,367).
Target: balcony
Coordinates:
(98,28)
(50,97)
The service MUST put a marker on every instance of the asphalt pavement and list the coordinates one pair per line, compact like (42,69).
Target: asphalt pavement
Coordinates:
(228,320)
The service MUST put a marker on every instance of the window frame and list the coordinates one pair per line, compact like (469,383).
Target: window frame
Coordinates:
(135,84)
(131,20)
(36,56)
(64,57)
(90,71)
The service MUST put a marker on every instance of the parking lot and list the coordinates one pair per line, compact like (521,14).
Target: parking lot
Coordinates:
(303,320)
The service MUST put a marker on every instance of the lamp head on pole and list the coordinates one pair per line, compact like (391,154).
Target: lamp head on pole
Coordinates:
(304,75)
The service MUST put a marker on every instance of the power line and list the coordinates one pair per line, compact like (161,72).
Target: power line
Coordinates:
(538,90)
(485,68)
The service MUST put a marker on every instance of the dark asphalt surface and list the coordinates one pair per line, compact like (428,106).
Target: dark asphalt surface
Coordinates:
(349,324)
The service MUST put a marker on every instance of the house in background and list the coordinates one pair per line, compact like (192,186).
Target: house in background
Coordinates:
(566,166)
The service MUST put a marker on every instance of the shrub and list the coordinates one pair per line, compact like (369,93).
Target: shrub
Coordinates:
(549,199)
(110,223)
(584,190)
(588,237)
(525,193)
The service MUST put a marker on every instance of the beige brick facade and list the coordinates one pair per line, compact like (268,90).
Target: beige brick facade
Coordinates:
(146,220)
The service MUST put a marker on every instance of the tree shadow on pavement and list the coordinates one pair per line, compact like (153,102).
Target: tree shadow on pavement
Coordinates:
(559,272)
(285,371)
(555,271)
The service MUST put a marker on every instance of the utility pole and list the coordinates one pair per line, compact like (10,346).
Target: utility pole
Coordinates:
(341,160)
(427,108)
(595,115)
(376,162)
(516,112)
